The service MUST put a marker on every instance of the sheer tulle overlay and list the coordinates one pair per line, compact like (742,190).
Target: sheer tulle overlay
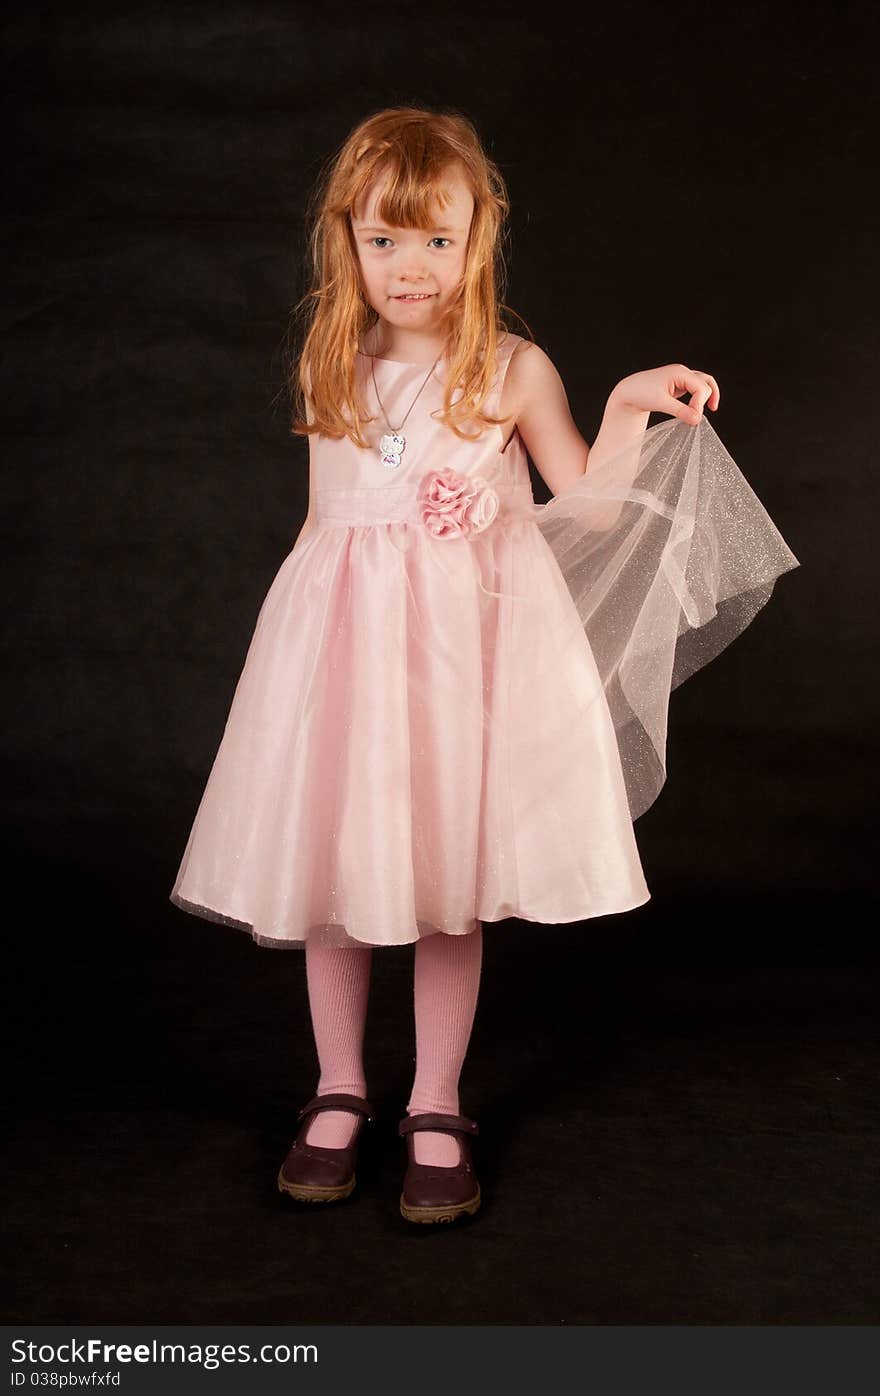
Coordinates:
(454,702)
(668,554)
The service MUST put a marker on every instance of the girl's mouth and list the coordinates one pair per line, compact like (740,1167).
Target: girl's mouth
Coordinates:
(421,297)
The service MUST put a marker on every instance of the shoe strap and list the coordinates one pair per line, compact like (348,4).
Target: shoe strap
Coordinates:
(337,1100)
(444,1124)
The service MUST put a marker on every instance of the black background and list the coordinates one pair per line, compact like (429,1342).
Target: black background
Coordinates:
(678,1106)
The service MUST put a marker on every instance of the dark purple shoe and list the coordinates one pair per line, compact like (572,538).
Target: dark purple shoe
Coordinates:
(432,1193)
(312,1173)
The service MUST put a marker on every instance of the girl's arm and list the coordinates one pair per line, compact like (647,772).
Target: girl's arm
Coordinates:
(554,443)
(619,427)
(543,418)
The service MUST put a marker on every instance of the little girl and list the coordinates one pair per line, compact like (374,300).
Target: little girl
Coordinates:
(454,703)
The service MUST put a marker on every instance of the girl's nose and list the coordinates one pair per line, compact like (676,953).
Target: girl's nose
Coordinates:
(412,267)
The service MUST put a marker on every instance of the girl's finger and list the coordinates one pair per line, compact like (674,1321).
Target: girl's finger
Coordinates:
(701,386)
(690,382)
(698,400)
(715,396)
(687,411)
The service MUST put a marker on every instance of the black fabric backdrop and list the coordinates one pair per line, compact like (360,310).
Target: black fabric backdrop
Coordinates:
(678,1106)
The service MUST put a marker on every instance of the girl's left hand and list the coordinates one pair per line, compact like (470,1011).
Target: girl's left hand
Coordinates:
(658,390)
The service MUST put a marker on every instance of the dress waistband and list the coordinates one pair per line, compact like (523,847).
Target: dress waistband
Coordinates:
(354,506)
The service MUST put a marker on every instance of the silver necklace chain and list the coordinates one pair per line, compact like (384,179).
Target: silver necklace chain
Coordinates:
(392,444)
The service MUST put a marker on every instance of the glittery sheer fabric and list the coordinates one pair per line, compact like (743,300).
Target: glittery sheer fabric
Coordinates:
(668,555)
(455,700)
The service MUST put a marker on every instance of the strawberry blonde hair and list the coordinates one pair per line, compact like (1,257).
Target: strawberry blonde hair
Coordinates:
(408,150)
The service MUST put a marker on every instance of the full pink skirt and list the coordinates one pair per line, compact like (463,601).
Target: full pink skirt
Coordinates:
(429,733)
(407,752)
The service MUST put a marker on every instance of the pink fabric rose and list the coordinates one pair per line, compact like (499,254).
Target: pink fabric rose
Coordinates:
(455,506)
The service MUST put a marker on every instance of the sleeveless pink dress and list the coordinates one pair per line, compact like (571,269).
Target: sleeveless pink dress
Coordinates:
(421,736)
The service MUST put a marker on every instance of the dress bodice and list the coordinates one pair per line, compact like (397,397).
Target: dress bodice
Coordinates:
(347,475)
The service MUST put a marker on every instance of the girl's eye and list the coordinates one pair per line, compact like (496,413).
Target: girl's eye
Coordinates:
(379,238)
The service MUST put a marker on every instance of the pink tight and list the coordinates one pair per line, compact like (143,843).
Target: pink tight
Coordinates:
(446,981)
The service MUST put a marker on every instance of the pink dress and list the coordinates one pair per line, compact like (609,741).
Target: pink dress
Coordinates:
(447,712)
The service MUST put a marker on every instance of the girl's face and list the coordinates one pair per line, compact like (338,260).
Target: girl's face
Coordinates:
(410,275)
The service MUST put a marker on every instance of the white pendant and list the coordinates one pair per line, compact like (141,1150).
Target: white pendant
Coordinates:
(391,449)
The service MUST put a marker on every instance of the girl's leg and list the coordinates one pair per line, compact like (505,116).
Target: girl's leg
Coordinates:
(338,979)
(446,982)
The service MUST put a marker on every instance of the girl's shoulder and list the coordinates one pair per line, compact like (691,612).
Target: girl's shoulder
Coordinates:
(525,370)
(516,346)
(524,361)
(512,345)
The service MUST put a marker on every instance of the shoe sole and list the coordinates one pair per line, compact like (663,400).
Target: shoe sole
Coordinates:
(440,1214)
(303,1193)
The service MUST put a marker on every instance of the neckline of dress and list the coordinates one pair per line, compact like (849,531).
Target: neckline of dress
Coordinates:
(400,363)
